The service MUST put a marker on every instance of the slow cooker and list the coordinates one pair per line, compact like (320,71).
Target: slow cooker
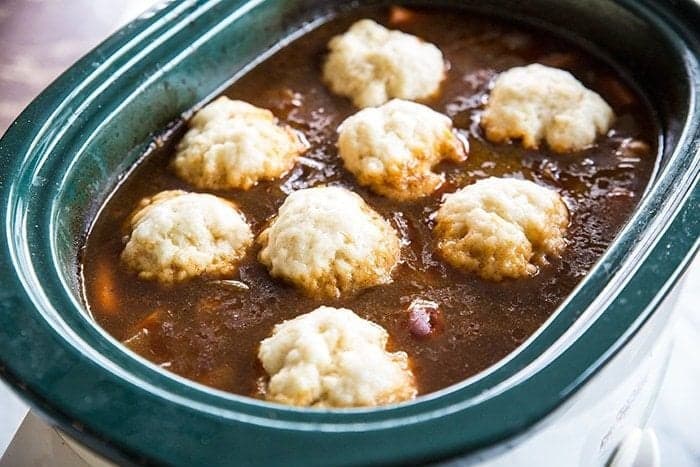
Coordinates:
(567,396)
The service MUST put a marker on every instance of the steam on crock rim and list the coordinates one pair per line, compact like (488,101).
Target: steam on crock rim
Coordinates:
(121,405)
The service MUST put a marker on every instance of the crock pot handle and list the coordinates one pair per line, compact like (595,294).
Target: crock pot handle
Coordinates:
(640,448)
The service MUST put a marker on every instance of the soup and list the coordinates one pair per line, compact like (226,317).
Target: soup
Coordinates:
(210,330)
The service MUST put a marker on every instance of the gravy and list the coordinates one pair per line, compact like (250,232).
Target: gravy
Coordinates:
(209,331)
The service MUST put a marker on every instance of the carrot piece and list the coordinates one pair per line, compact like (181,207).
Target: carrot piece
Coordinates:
(105,287)
(151,321)
(141,333)
(559,60)
(399,15)
(219,378)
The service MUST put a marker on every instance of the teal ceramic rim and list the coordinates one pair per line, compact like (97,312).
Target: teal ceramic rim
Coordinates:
(78,376)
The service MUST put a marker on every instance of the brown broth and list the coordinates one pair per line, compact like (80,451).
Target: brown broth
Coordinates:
(210,332)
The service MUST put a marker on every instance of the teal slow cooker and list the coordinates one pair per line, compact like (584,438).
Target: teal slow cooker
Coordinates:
(567,396)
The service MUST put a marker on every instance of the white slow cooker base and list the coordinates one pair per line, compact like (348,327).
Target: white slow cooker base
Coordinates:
(588,429)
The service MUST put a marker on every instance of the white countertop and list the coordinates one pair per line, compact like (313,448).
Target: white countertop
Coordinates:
(12,411)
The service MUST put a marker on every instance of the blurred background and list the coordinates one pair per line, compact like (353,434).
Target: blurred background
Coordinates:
(39,39)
